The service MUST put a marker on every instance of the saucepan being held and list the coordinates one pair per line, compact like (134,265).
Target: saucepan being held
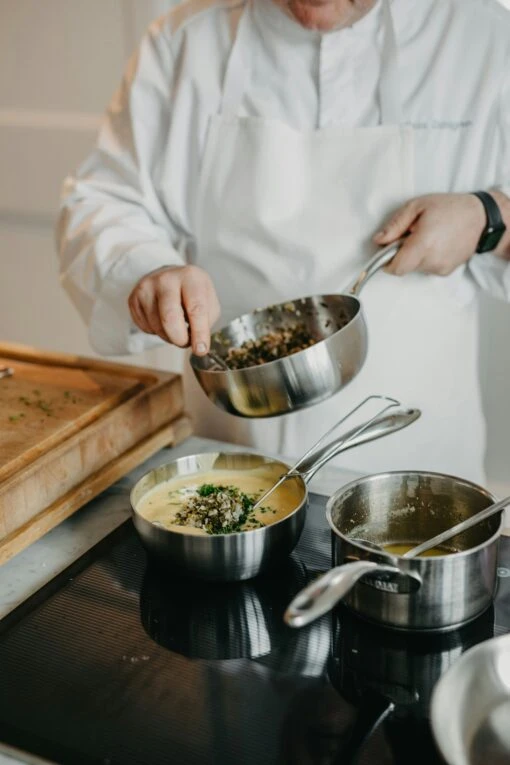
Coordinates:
(335,324)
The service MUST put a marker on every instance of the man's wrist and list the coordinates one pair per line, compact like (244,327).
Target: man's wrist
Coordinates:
(495,227)
(502,199)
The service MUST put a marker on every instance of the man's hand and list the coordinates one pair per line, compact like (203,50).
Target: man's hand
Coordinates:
(444,231)
(177,303)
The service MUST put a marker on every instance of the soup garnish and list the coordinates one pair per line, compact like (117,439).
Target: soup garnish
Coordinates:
(217,509)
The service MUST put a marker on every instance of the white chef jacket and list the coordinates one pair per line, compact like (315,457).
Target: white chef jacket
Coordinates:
(130,207)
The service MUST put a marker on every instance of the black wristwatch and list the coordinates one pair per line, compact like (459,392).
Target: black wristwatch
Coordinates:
(495,228)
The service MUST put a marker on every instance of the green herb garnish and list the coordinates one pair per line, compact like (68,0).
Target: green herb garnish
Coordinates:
(218,510)
(45,407)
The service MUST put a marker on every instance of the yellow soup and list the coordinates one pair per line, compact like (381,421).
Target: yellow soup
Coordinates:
(400,549)
(162,504)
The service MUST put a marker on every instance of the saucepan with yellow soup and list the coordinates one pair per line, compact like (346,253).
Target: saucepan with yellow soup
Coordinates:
(442,590)
(206,515)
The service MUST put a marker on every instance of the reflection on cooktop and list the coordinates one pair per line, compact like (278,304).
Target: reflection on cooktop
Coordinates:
(234,621)
(115,664)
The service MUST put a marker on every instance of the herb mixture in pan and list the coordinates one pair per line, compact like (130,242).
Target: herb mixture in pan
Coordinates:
(218,510)
(271,346)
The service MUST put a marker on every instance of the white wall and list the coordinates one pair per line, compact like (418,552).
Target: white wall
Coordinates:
(60,61)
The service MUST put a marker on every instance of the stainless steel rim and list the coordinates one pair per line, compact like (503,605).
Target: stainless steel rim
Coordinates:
(268,460)
(490,647)
(194,360)
(419,473)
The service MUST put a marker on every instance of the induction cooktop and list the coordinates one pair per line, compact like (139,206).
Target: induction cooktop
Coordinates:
(114,663)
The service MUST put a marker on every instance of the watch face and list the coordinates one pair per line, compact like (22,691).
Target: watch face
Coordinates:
(491,239)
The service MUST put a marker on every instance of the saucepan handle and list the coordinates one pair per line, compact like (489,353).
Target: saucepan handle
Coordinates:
(378,261)
(323,451)
(324,593)
(378,427)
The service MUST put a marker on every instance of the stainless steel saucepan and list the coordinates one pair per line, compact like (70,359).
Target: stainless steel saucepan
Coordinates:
(471,706)
(405,508)
(336,322)
(243,555)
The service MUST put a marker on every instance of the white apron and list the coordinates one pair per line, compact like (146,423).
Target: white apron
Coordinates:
(283,214)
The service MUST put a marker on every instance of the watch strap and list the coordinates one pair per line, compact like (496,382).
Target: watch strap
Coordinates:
(494,218)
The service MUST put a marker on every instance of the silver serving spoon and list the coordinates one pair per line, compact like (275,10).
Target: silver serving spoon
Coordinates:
(218,361)
(444,536)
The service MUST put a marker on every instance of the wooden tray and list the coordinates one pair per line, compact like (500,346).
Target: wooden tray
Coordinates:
(63,420)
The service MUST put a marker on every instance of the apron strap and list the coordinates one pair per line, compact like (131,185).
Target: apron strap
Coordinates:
(237,72)
(235,17)
(389,91)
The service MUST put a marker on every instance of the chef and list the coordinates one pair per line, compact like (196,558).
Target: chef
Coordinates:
(260,151)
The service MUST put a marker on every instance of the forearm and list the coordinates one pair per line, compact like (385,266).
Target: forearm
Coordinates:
(503,200)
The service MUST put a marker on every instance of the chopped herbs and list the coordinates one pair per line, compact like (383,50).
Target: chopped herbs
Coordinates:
(16,417)
(217,510)
(271,346)
(46,407)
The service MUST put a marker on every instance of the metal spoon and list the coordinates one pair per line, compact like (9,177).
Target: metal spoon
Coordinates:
(444,536)
(218,361)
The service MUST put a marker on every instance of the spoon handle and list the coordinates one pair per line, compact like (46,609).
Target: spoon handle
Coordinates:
(219,361)
(444,536)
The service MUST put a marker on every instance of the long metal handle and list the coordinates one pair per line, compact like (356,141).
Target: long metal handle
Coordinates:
(317,448)
(382,425)
(378,261)
(324,593)
(444,536)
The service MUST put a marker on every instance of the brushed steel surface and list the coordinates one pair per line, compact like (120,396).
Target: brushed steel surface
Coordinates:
(470,708)
(405,508)
(243,555)
(301,379)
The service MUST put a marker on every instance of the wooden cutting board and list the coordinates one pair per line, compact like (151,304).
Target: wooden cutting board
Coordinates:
(65,421)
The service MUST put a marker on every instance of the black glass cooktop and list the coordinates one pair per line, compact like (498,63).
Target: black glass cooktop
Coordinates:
(112,665)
